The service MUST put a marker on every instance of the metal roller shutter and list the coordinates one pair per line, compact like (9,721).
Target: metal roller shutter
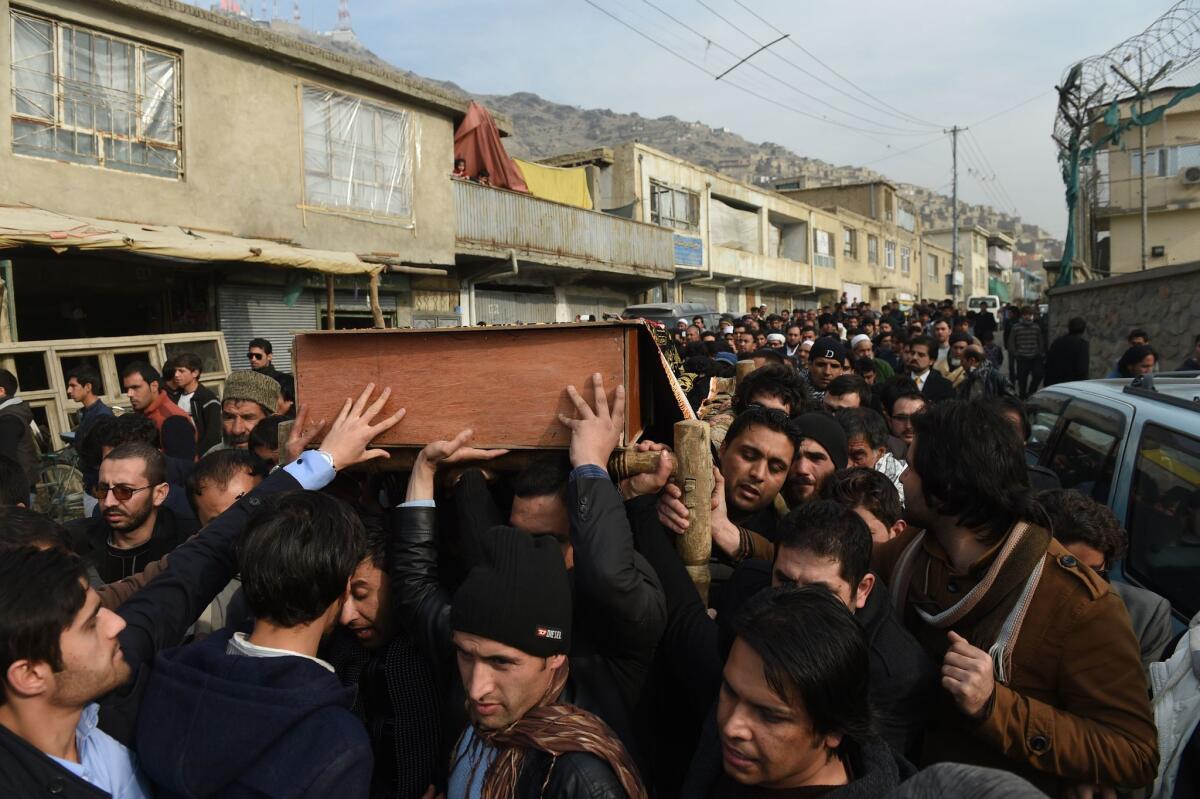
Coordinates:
(512,307)
(596,304)
(703,294)
(247,312)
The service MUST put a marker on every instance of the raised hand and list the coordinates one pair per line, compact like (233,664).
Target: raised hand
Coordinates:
(351,432)
(301,436)
(443,453)
(595,434)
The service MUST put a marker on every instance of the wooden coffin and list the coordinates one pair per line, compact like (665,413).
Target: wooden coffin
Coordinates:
(507,383)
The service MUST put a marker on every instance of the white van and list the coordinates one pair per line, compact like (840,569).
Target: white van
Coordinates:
(985,302)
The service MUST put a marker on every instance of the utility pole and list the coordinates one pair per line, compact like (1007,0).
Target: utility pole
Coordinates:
(954,270)
(1141,88)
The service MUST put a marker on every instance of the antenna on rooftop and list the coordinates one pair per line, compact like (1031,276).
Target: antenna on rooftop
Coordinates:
(296,11)
(343,23)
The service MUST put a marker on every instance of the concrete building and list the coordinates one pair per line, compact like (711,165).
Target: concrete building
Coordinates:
(737,245)
(1000,265)
(1172,164)
(157,113)
(882,242)
(972,258)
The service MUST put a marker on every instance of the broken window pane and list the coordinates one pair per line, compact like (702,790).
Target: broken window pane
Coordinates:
(356,155)
(103,100)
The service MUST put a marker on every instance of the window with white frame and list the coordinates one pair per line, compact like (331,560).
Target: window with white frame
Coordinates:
(905,260)
(872,250)
(931,265)
(823,248)
(850,243)
(1156,161)
(889,254)
(87,97)
(674,208)
(357,155)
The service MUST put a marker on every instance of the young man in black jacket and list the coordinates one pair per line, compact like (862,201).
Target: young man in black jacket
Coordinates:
(199,400)
(511,624)
(1068,357)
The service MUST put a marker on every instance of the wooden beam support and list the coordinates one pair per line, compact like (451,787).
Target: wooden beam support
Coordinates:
(330,322)
(376,310)
(694,476)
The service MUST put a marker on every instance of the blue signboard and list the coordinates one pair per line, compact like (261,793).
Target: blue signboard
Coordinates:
(689,251)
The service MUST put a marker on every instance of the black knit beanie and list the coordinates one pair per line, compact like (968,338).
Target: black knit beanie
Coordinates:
(826,431)
(518,595)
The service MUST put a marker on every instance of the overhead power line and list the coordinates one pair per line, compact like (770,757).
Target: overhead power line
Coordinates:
(1021,104)
(883,129)
(833,71)
(870,134)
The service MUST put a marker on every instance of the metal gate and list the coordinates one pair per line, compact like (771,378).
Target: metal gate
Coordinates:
(513,307)
(247,312)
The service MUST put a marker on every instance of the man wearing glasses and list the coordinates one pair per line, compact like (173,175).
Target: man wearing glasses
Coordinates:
(133,528)
(259,355)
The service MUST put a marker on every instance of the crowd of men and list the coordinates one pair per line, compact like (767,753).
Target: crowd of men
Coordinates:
(898,606)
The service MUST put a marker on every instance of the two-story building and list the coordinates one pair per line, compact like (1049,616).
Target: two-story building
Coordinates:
(1172,199)
(734,245)
(166,169)
(886,254)
(972,260)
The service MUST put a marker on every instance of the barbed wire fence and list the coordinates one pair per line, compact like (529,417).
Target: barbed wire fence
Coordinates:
(1091,90)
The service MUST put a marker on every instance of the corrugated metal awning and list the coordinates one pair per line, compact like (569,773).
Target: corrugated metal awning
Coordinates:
(25,226)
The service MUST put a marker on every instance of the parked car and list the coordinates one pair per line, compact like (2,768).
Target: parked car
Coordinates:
(669,313)
(1135,446)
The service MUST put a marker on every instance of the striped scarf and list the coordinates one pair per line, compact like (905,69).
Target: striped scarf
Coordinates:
(556,729)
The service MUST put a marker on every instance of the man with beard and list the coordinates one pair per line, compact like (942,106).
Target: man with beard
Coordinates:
(133,529)
(821,452)
(932,385)
(952,367)
(176,433)
(982,380)
(248,398)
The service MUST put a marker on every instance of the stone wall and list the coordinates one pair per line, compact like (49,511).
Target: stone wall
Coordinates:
(1165,302)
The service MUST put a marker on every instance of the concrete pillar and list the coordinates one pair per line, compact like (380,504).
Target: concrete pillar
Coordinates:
(562,309)
(466,301)
(722,300)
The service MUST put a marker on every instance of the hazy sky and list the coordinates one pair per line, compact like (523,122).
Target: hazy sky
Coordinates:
(941,62)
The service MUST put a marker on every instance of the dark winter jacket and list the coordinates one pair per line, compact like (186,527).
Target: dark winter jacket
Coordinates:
(90,538)
(159,616)
(16,437)
(1067,360)
(618,615)
(206,415)
(26,771)
(230,725)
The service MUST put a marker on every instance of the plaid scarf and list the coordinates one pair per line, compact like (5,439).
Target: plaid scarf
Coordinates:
(556,729)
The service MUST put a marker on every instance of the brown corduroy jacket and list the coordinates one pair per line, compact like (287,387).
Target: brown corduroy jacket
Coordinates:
(1075,708)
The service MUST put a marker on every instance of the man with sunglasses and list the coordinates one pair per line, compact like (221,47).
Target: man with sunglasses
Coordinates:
(134,528)
(259,354)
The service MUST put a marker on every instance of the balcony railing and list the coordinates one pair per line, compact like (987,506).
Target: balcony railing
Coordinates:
(498,220)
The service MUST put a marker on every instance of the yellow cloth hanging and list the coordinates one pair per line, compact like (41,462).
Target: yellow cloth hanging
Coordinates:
(567,186)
